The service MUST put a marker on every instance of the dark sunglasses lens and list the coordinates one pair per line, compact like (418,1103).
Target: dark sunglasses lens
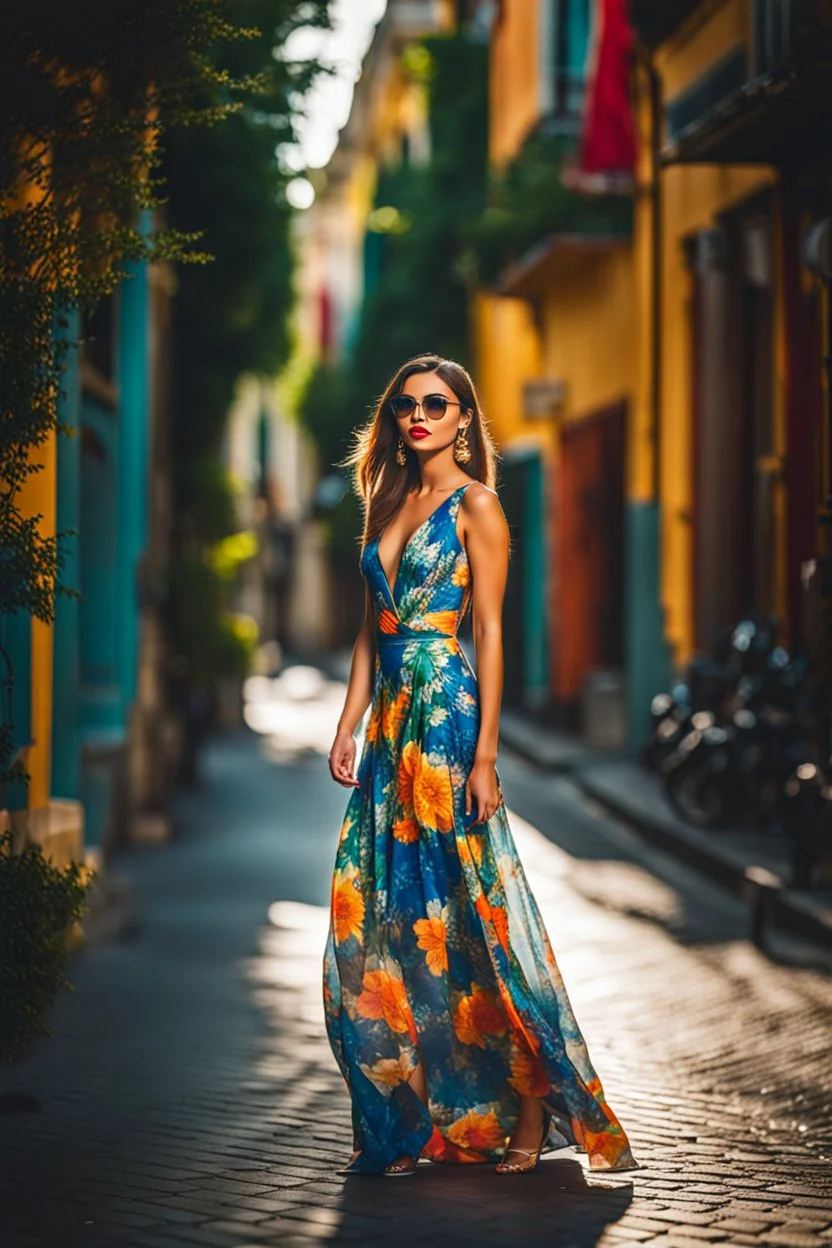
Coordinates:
(403,405)
(435,405)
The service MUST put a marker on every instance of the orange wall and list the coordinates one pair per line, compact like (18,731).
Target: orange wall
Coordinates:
(38,496)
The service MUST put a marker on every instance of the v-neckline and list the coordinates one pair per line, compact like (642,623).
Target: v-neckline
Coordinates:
(391,589)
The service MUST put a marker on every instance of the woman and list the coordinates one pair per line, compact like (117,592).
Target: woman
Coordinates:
(444,1005)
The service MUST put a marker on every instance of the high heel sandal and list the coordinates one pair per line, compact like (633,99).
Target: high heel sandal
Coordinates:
(532,1155)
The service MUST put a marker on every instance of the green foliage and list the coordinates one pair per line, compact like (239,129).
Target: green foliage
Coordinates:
(418,290)
(230,317)
(208,640)
(232,552)
(39,903)
(227,181)
(86,93)
(322,409)
(528,201)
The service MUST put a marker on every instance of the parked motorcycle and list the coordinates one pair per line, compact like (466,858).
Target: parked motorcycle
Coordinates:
(747,730)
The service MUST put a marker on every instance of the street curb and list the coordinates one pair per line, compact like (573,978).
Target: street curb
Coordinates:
(769,898)
(763,889)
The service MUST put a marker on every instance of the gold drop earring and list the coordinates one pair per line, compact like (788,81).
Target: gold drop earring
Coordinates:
(401,456)
(462,451)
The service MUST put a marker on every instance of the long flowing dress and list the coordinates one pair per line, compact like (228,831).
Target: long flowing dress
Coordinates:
(436,948)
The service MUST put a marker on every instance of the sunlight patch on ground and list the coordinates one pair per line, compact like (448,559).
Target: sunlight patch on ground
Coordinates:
(296,712)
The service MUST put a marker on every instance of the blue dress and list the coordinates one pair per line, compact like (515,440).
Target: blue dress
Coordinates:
(436,949)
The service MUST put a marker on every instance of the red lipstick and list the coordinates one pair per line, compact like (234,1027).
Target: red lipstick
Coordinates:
(419,431)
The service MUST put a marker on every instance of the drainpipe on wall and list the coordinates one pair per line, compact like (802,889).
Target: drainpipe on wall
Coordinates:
(646,655)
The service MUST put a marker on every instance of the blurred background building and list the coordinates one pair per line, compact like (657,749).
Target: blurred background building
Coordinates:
(619,217)
(646,318)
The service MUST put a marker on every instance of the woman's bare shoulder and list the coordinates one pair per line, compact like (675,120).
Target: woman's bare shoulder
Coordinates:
(479,500)
(483,513)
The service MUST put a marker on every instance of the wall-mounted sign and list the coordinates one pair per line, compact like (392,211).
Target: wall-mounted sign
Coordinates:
(543,396)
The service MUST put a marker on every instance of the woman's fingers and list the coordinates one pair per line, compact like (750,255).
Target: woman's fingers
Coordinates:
(341,769)
(485,807)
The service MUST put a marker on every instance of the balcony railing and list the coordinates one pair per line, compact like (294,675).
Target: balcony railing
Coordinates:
(766,102)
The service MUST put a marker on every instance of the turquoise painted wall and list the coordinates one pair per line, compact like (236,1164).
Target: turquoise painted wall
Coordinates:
(524,618)
(133,379)
(99,623)
(648,667)
(66,684)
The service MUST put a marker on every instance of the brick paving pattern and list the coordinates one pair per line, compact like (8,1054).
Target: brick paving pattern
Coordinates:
(189,1096)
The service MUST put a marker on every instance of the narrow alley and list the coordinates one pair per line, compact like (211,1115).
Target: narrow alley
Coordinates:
(189,1096)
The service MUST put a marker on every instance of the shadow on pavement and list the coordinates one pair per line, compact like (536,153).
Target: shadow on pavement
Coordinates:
(554,1205)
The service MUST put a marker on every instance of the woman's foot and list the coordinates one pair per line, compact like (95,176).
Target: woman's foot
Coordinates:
(402,1165)
(526,1145)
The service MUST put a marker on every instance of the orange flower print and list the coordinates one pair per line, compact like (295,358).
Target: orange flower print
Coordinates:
(406,830)
(371,732)
(480,1131)
(347,907)
(527,1074)
(442,621)
(482,907)
(519,1026)
(474,839)
(479,1015)
(387,622)
(461,574)
(500,920)
(385,997)
(425,789)
(394,713)
(432,936)
(390,1070)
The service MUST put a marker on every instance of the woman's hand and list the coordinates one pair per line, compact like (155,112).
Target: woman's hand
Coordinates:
(481,787)
(342,760)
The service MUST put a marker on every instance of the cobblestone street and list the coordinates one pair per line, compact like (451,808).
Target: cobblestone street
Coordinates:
(189,1096)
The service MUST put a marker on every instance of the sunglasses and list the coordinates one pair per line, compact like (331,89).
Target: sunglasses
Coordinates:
(433,405)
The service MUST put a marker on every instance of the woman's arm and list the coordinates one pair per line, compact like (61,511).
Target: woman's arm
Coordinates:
(486,536)
(358,698)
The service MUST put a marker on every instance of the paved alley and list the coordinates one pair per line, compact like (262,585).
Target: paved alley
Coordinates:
(189,1096)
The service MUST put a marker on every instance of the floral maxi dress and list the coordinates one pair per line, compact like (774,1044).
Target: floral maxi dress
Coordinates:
(436,949)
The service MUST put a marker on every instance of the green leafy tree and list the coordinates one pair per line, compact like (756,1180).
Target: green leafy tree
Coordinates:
(529,201)
(421,298)
(418,289)
(231,316)
(40,904)
(86,93)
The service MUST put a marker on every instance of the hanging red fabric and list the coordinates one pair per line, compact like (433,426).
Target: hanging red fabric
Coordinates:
(608,142)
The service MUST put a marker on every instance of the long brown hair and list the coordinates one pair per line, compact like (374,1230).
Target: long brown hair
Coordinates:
(380,482)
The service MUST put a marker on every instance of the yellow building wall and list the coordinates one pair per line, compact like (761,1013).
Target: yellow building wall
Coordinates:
(506,344)
(514,79)
(507,353)
(714,30)
(693,197)
(589,331)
